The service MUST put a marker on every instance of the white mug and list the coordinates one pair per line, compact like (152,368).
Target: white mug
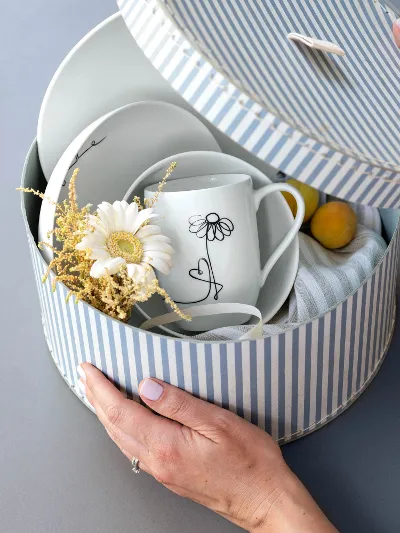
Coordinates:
(212,223)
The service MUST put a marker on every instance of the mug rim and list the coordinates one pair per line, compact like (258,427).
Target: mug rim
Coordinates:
(245,177)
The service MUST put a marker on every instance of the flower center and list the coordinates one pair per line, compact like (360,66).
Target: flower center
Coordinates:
(212,218)
(124,244)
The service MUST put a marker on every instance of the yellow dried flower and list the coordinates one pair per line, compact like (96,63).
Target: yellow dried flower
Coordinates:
(151,202)
(114,294)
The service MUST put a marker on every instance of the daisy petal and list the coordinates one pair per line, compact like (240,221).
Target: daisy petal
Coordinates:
(143,217)
(150,275)
(93,240)
(81,245)
(96,239)
(156,238)
(111,266)
(105,213)
(150,229)
(98,269)
(157,246)
(131,215)
(99,253)
(94,220)
(97,225)
(119,215)
(115,264)
(135,271)
(159,263)
(104,206)
(101,230)
(158,253)
(141,273)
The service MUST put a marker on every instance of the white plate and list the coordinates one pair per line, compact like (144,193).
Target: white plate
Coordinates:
(104,71)
(117,149)
(54,185)
(274,221)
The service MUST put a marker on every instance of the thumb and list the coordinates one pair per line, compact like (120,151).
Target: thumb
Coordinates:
(396,32)
(178,405)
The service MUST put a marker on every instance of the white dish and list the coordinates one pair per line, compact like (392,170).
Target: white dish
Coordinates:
(104,71)
(47,211)
(119,147)
(281,279)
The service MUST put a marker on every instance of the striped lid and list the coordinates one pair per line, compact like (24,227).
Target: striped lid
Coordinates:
(327,119)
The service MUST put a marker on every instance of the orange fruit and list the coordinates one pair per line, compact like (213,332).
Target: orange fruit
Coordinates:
(334,225)
(310,197)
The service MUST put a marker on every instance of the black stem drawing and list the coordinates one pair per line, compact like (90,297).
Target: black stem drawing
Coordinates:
(212,228)
(79,156)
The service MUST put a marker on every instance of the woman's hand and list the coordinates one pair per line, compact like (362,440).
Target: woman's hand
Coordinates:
(207,454)
(396,32)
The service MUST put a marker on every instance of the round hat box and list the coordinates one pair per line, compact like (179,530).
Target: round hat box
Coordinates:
(290,384)
(329,120)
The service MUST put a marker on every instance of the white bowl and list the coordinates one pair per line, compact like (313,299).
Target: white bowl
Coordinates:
(116,149)
(274,221)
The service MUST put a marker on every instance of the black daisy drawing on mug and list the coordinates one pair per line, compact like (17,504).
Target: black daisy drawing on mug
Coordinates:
(211,228)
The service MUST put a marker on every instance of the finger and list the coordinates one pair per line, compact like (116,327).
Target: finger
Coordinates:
(396,32)
(129,455)
(176,404)
(127,443)
(125,415)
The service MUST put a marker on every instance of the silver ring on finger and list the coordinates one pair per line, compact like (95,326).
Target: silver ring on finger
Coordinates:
(135,464)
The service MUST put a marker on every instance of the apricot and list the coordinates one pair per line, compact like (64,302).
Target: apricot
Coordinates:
(334,225)
(309,194)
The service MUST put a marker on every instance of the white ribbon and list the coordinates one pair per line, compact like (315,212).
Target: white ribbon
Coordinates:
(311,42)
(208,310)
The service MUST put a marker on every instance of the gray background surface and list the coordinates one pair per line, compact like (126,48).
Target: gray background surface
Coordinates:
(59,472)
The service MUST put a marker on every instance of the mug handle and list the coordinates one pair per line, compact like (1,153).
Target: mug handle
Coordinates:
(259,195)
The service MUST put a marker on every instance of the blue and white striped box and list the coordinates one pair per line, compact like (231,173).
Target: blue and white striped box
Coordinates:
(290,384)
(331,121)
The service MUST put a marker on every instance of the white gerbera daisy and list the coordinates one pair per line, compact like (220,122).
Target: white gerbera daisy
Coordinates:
(121,236)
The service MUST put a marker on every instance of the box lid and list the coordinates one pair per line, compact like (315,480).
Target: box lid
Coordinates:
(326,119)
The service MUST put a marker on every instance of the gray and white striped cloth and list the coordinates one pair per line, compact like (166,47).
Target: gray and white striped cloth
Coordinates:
(325,278)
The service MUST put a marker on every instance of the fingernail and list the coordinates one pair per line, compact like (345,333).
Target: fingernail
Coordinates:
(81,373)
(82,388)
(151,390)
(398,23)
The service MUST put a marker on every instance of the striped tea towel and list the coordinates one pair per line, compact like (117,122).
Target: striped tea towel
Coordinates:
(325,278)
